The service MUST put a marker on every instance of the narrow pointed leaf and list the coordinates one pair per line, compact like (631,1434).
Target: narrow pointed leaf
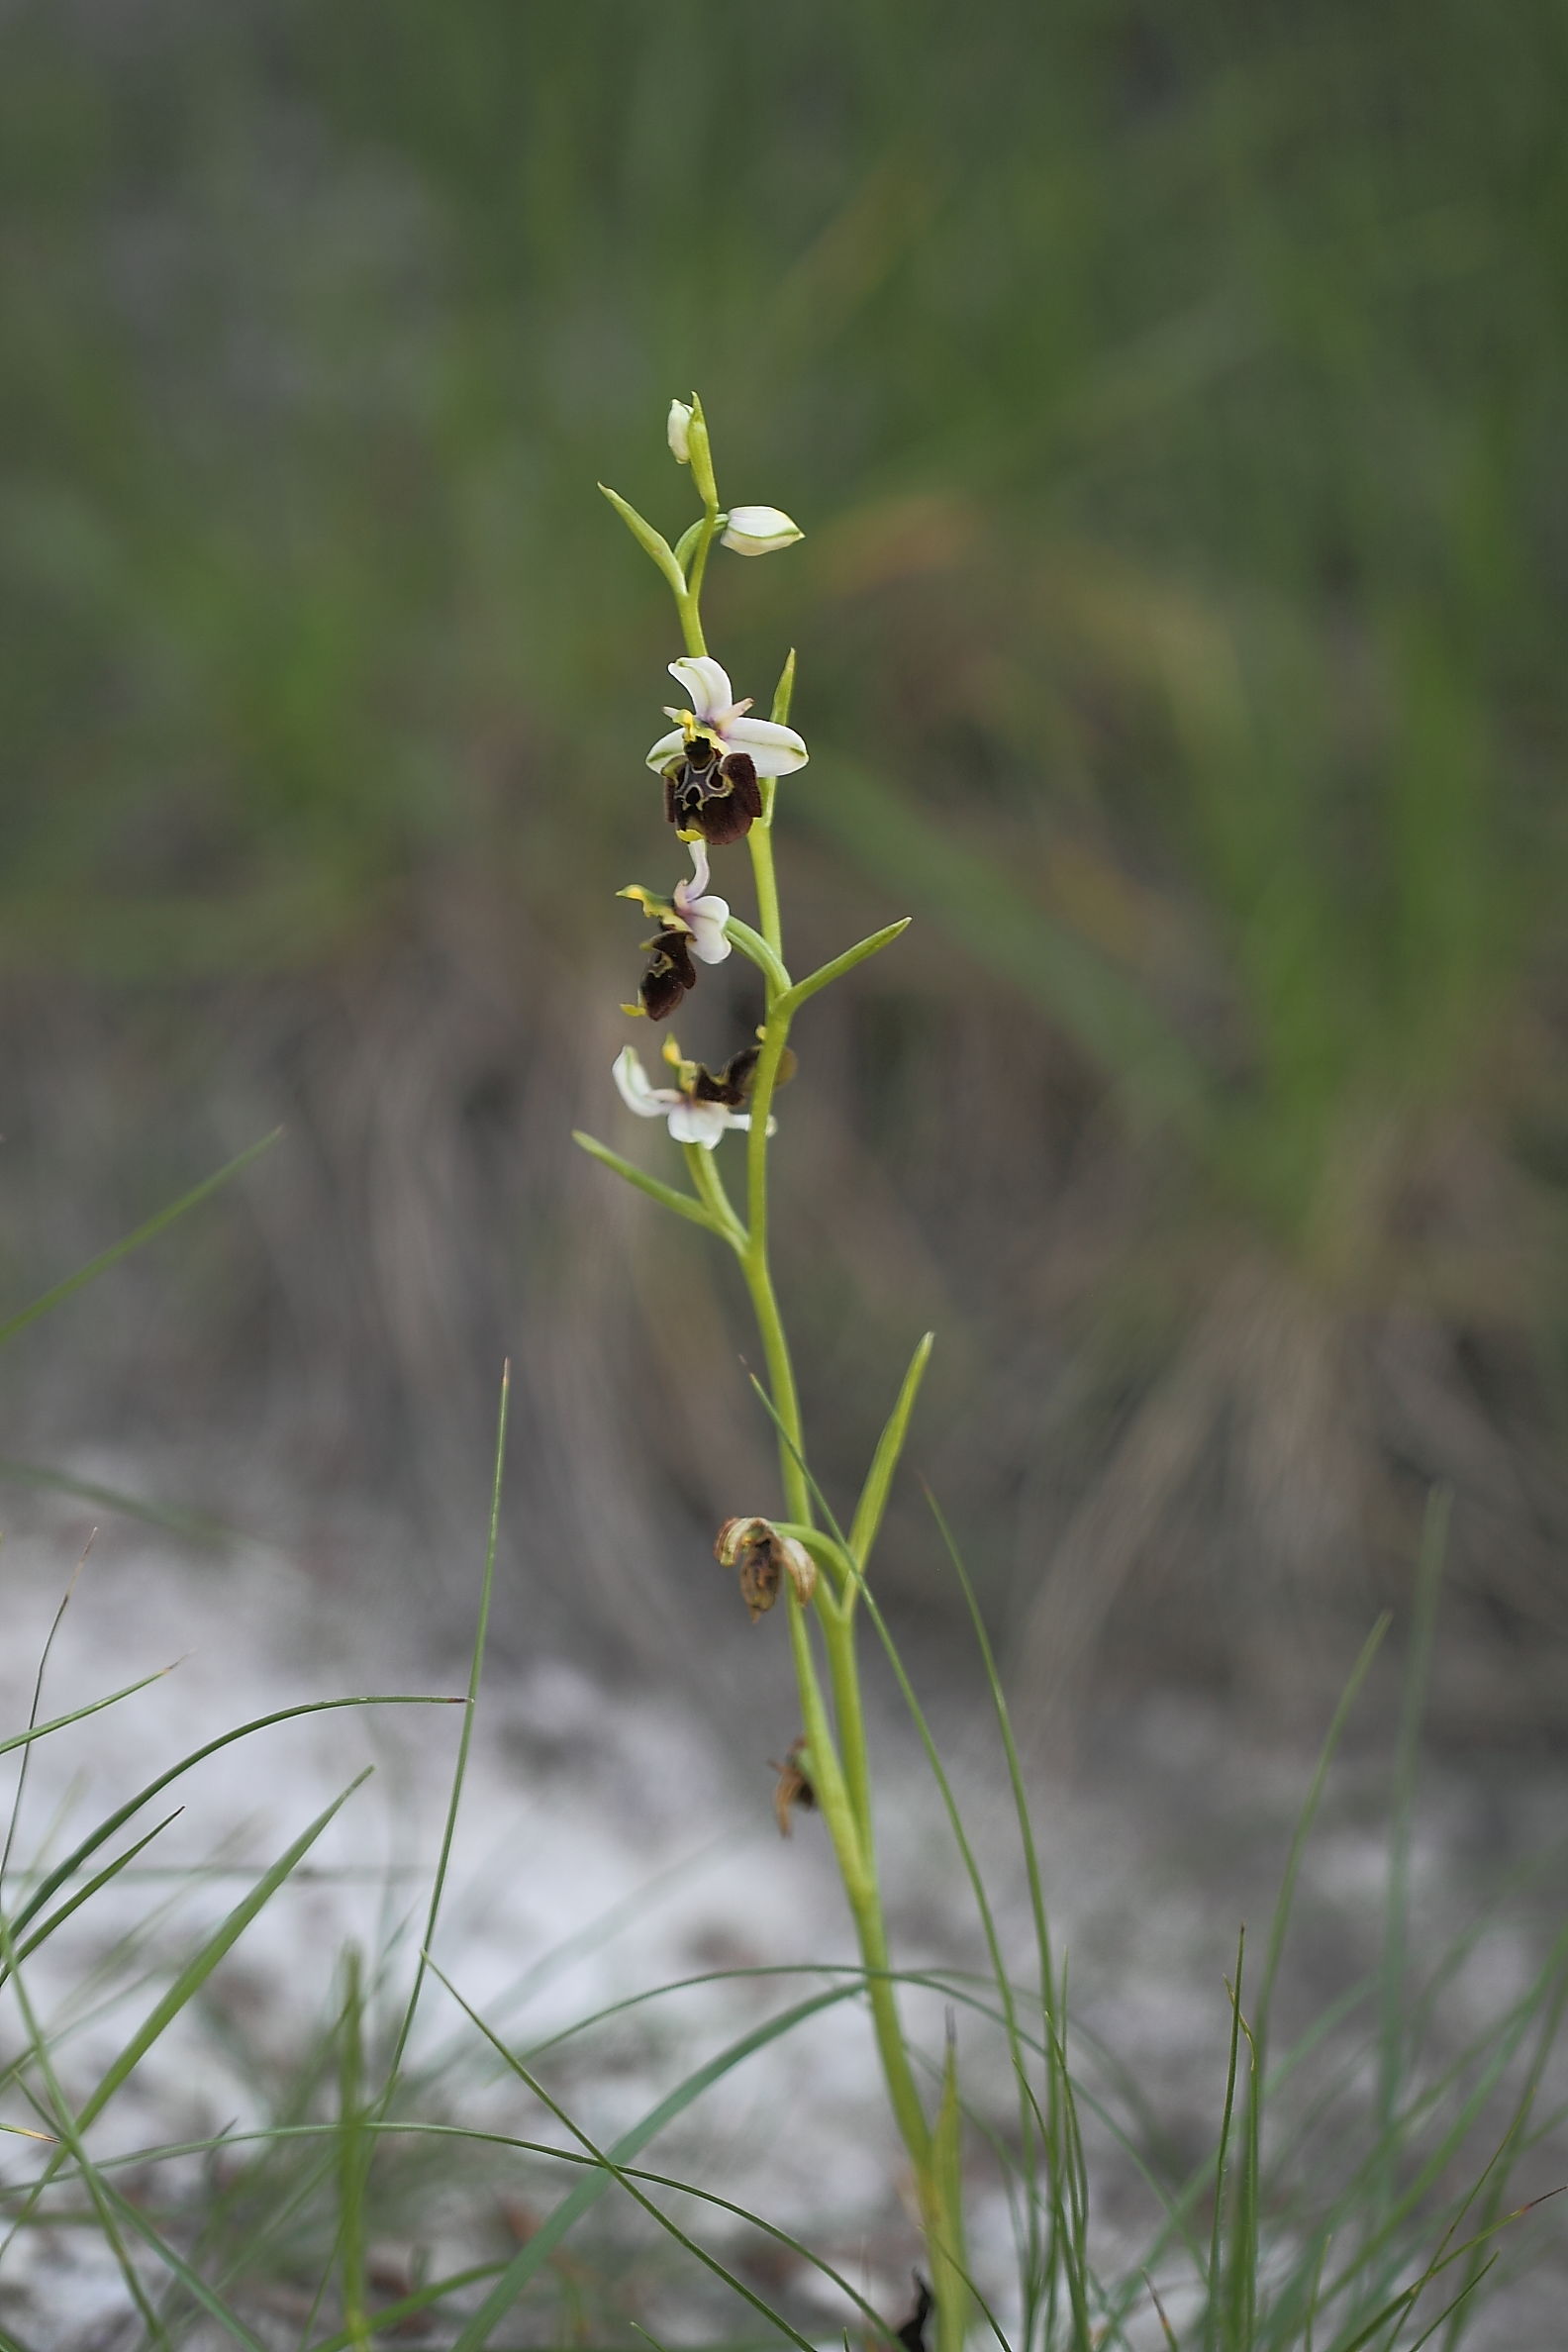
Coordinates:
(796,997)
(890,1445)
(665,1193)
(652,542)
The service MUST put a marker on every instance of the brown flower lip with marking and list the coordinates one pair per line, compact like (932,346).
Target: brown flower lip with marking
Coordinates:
(670,973)
(714,794)
(764,1558)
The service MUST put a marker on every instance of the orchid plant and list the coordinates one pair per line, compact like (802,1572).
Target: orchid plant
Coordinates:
(721,767)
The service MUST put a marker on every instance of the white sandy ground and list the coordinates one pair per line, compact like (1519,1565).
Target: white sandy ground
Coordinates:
(608,1845)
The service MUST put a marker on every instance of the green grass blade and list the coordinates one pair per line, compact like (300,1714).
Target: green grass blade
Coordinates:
(619,2174)
(51,1885)
(464,1744)
(477,2332)
(1213,2307)
(77,1714)
(353,2155)
(144,1233)
(1418,1675)
(171,1518)
(1305,1822)
(94,1886)
(199,1967)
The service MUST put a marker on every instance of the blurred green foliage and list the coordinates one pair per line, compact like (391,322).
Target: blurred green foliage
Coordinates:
(1172,401)
(1173,398)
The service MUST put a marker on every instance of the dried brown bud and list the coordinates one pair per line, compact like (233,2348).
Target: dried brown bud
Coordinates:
(794,1789)
(764,1557)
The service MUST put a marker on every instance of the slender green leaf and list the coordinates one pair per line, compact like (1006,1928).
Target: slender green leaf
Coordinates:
(885,1461)
(665,1193)
(793,998)
(652,542)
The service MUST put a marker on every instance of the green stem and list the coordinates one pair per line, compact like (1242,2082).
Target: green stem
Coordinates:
(842,1786)
(759,840)
(689,606)
(781,1376)
(753,945)
(709,1186)
(848,1828)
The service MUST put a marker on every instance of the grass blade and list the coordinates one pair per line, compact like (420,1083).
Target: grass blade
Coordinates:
(144,1233)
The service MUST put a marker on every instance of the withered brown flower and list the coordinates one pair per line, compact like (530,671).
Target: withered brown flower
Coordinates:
(793,1789)
(764,1558)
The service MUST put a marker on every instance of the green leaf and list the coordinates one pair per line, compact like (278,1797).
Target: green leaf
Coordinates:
(784,691)
(794,997)
(665,1193)
(890,1445)
(652,542)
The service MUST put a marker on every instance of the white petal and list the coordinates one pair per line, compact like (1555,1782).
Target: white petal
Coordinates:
(699,1122)
(699,878)
(760,529)
(707,684)
(632,1081)
(774,750)
(667,748)
(679,431)
(707,917)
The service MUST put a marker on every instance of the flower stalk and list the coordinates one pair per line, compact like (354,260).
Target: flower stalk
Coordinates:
(721,773)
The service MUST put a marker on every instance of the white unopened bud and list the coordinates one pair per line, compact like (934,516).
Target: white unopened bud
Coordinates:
(758,530)
(679,431)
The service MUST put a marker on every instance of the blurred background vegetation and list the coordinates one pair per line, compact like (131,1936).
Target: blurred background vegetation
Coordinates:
(1173,400)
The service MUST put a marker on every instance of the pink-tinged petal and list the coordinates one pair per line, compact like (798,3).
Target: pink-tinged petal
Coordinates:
(631,1082)
(668,748)
(699,874)
(774,751)
(699,1122)
(707,683)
